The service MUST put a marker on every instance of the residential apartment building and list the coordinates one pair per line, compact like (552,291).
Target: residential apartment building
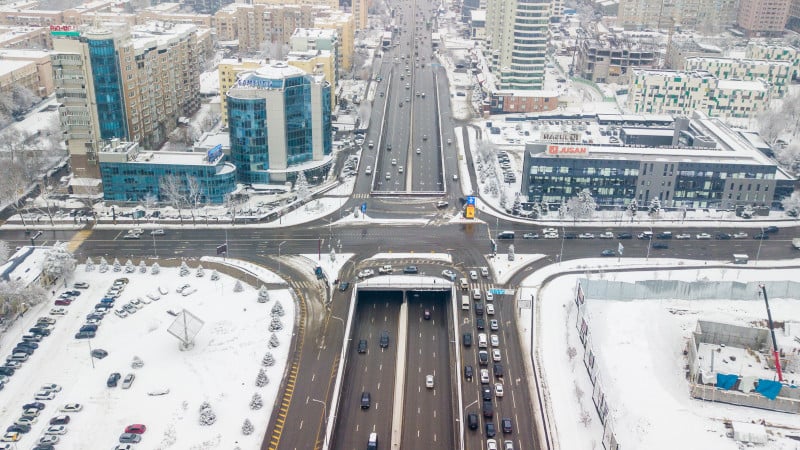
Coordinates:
(777,74)
(681,49)
(682,93)
(359,11)
(316,62)
(330,4)
(24,37)
(793,23)
(229,70)
(124,84)
(763,17)
(31,69)
(516,41)
(708,16)
(280,124)
(755,50)
(253,25)
(690,162)
(611,58)
(344,25)
(312,39)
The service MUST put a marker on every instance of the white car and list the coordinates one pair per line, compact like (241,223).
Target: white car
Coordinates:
(491,444)
(473,275)
(57,311)
(368,171)
(496,355)
(135,231)
(703,236)
(498,390)
(366,273)
(51,387)
(484,375)
(549,230)
(449,274)
(26,420)
(157,232)
(586,236)
(71,407)
(419,150)
(606,235)
(494,325)
(484,271)
(429,381)
(739,235)
(394,161)
(551,235)
(489,296)
(49,439)
(494,340)
(490,309)
(45,395)
(683,236)
(56,429)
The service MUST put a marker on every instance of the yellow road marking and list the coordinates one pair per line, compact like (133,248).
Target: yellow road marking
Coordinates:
(78,239)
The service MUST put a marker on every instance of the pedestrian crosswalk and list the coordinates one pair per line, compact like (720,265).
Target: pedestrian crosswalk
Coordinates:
(361,195)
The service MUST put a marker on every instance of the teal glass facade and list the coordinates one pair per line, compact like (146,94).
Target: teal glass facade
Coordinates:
(132,182)
(108,88)
(250,125)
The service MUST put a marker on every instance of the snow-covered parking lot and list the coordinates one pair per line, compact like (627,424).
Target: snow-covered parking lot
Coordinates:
(220,368)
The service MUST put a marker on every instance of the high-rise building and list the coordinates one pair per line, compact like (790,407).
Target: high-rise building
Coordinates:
(360,8)
(709,16)
(229,70)
(125,84)
(279,119)
(516,37)
(763,17)
(344,25)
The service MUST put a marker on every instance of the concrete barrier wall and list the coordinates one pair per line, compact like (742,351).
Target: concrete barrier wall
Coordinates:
(782,403)
(732,335)
(686,290)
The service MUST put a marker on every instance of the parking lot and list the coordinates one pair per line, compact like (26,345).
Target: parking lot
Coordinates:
(159,384)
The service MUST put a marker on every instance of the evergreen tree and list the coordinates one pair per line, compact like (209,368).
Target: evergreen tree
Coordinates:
(277,310)
(117,266)
(156,269)
(256,402)
(238,286)
(89,265)
(276,324)
(263,294)
(273,341)
(247,427)
(261,378)
(142,267)
(200,273)
(214,275)
(207,415)
(129,267)
(268,360)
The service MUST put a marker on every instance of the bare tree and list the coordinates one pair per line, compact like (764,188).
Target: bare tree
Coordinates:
(194,195)
(47,189)
(789,156)
(791,203)
(172,192)
(582,206)
(13,186)
(5,251)
(58,263)
(771,124)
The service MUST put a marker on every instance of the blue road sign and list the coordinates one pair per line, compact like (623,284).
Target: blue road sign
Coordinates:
(364,207)
(497,291)
(471,200)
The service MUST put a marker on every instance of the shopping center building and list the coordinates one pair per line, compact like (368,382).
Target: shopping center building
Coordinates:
(684,162)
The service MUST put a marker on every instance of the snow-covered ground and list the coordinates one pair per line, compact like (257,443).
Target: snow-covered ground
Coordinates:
(235,335)
(639,346)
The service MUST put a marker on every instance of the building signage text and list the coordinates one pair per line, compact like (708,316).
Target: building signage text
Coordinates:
(567,150)
(561,137)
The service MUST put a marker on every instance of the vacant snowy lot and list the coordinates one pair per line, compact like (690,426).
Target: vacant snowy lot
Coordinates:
(221,368)
(639,347)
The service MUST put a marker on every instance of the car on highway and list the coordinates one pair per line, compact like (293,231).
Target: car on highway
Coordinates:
(343,286)
(429,381)
(394,161)
(449,274)
(468,372)
(530,236)
(366,400)
(740,235)
(494,325)
(362,346)
(771,229)
(498,389)
(723,236)
(483,358)
(660,245)
(608,252)
(467,339)
(586,236)
(410,269)
(366,273)
(664,235)
(158,232)
(489,297)
(551,235)
(480,324)
(419,150)
(703,236)
(384,339)
(426,314)
(645,235)
(485,376)
(490,309)
(472,421)
(488,408)
(494,340)
(132,236)
(761,236)
(506,425)
(606,235)
(624,236)
(368,170)
(498,370)
(442,204)
(490,430)
(683,236)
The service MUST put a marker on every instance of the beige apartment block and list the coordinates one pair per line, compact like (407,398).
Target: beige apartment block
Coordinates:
(709,16)
(25,37)
(344,25)
(253,25)
(769,52)
(29,68)
(229,70)
(317,62)
(763,17)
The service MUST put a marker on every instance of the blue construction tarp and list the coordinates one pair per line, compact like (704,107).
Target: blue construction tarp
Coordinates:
(769,388)
(726,381)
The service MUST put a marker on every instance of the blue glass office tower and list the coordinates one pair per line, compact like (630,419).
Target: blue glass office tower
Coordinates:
(279,123)
(107,85)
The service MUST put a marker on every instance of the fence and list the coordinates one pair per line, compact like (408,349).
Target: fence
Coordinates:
(686,290)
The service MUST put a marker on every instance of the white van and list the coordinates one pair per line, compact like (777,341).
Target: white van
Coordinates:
(372,444)
(465,302)
(464,284)
(483,342)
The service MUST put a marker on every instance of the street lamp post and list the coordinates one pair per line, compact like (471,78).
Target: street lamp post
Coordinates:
(760,241)
(279,257)
(325,420)
(561,254)
(649,244)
